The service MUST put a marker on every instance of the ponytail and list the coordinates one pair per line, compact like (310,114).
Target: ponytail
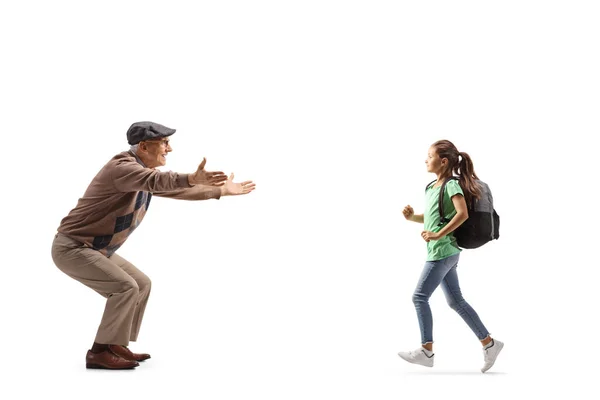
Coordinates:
(466,177)
(463,168)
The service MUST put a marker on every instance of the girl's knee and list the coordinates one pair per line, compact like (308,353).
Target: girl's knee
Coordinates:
(419,298)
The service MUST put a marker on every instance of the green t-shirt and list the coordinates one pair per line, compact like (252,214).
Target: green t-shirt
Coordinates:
(446,246)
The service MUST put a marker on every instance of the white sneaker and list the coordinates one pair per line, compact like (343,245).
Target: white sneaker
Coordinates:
(420,356)
(490,353)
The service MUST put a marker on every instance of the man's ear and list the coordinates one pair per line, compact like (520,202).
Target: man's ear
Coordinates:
(142,146)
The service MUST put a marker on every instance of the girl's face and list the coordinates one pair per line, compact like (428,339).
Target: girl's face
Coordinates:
(434,163)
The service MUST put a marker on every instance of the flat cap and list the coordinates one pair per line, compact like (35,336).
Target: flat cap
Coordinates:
(147,130)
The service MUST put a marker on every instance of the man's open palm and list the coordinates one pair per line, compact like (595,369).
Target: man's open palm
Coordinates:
(202,177)
(231,188)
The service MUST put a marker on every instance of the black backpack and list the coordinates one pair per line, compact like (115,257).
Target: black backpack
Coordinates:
(483,223)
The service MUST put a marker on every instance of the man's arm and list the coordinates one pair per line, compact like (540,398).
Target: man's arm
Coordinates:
(203,192)
(197,192)
(128,175)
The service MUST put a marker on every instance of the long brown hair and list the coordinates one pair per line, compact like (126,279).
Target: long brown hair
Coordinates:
(463,168)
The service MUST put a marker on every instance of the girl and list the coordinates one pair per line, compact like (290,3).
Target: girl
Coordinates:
(443,252)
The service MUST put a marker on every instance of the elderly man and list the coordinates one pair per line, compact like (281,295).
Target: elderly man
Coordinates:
(113,205)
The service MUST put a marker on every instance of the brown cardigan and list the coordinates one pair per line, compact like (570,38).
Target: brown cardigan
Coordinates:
(117,199)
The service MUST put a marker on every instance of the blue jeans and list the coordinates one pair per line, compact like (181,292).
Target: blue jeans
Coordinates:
(443,271)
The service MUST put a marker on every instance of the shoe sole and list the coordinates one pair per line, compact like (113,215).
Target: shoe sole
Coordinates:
(97,366)
(416,363)
(501,346)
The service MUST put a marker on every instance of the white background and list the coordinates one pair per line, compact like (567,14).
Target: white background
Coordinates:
(302,289)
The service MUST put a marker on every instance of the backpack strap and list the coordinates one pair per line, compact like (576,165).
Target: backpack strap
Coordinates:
(426,187)
(441,201)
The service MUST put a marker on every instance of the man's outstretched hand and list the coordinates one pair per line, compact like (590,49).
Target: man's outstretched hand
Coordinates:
(230,188)
(202,177)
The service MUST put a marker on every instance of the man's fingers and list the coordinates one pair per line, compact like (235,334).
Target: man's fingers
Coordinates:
(209,183)
(231,177)
(216,176)
(214,173)
(202,164)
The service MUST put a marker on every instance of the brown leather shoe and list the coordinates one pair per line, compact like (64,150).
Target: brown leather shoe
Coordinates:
(108,360)
(127,354)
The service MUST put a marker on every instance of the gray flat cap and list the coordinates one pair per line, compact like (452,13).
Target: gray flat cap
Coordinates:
(147,130)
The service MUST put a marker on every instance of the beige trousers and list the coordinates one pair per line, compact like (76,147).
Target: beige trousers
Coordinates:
(124,286)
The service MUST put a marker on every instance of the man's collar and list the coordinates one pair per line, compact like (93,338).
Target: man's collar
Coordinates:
(139,160)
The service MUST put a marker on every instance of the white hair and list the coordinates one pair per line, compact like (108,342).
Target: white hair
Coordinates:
(134,148)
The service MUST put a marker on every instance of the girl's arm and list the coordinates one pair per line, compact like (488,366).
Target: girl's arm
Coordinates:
(417,218)
(462,214)
(410,215)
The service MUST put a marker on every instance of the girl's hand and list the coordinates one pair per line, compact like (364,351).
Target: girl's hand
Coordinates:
(408,212)
(428,235)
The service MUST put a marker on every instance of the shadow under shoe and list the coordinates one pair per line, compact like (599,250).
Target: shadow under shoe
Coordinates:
(107,360)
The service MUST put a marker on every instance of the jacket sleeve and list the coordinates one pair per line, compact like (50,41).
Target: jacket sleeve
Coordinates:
(197,192)
(129,176)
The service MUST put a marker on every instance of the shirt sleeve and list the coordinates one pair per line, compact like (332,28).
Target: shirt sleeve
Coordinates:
(197,192)
(453,188)
(129,176)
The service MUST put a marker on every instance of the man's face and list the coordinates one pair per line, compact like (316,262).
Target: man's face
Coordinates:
(156,152)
